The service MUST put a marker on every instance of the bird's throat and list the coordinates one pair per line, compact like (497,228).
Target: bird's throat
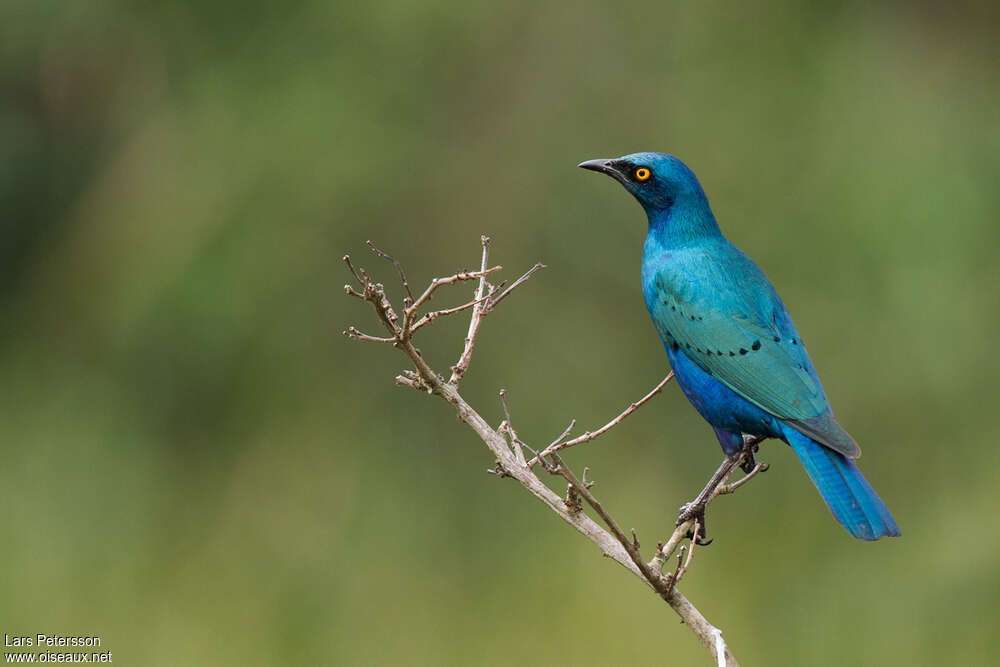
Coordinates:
(684,223)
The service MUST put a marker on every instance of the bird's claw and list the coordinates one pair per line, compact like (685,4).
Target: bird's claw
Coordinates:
(749,461)
(695,511)
(751,444)
(701,542)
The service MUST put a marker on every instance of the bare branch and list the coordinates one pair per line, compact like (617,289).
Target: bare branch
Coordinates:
(462,365)
(664,551)
(711,636)
(562,436)
(588,436)
(508,425)
(405,381)
(433,315)
(357,335)
(677,569)
(584,491)
(438,282)
(399,269)
(679,574)
(509,463)
(724,489)
(493,302)
(347,260)
(382,307)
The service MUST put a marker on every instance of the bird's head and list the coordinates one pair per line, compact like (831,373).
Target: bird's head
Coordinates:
(657,180)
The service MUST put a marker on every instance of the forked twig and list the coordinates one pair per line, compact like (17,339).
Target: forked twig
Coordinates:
(508,426)
(562,436)
(433,315)
(590,435)
(354,272)
(462,365)
(399,269)
(439,282)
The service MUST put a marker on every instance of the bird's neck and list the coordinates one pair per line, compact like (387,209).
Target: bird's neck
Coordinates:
(686,221)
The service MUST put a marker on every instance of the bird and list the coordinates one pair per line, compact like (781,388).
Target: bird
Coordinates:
(732,345)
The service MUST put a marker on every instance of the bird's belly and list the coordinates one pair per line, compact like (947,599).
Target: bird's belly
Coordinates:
(719,405)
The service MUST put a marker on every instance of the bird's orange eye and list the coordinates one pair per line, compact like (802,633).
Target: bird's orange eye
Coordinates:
(642,174)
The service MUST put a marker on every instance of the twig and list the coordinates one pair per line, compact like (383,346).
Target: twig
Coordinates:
(508,425)
(724,489)
(347,260)
(677,569)
(462,365)
(438,282)
(561,437)
(590,435)
(562,469)
(690,555)
(433,315)
(527,274)
(357,335)
(399,269)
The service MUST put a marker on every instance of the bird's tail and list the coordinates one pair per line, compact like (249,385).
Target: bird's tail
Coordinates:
(847,493)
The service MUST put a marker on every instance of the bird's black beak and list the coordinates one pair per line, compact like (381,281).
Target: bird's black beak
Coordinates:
(605,166)
(602,165)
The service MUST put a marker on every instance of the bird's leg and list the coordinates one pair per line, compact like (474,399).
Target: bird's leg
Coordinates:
(696,508)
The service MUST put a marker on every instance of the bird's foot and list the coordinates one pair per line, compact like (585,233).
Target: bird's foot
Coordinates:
(695,511)
(751,443)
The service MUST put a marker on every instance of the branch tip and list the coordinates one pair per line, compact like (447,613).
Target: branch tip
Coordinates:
(493,303)
(354,272)
(357,335)
(395,263)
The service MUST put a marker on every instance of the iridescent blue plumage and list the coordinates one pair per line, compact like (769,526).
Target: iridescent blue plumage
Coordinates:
(734,348)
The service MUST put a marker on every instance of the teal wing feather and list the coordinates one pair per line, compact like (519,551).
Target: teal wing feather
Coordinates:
(742,335)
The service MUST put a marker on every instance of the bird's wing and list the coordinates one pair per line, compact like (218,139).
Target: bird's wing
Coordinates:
(742,335)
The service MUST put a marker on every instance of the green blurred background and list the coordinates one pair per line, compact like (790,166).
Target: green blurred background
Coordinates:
(200,468)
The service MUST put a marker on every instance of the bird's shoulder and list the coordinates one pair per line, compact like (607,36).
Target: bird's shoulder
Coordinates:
(715,277)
